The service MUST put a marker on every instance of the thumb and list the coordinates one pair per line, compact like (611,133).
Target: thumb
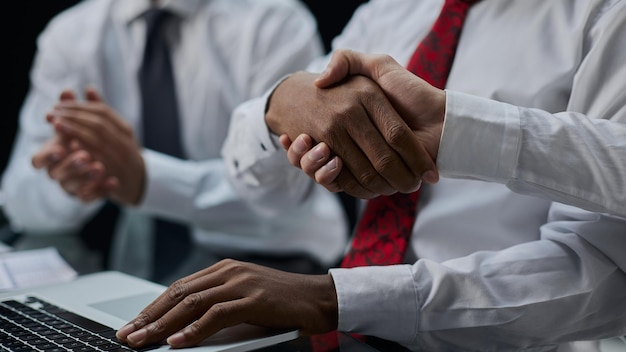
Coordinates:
(67,94)
(92,94)
(345,62)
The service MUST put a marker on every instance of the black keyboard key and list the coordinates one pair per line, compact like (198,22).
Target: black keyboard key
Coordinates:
(47,346)
(110,334)
(50,328)
(85,349)
(83,322)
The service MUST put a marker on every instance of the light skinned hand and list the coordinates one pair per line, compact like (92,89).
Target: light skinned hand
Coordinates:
(421,105)
(74,169)
(357,121)
(229,293)
(102,133)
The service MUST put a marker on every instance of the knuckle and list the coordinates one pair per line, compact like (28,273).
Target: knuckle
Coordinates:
(143,318)
(192,302)
(177,290)
(369,93)
(383,59)
(386,164)
(194,330)
(234,268)
(156,327)
(369,179)
(396,134)
(220,311)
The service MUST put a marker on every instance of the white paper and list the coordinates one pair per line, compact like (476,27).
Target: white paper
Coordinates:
(35,267)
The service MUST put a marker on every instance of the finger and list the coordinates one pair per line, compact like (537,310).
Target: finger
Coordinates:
(75,177)
(71,166)
(348,62)
(72,185)
(199,315)
(48,155)
(367,155)
(110,185)
(86,129)
(390,147)
(359,165)
(315,158)
(343,63)
(175,293)
(95,107)
(67,94)
(300,146)
(94,183)
(92,94)
(328,173)
(347,183)
(221,315)
(285,141)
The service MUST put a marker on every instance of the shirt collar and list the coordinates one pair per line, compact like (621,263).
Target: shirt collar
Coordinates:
(130,10)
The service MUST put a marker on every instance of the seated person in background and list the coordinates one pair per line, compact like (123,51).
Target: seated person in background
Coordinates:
(222,53)
(555,157)
(485,268)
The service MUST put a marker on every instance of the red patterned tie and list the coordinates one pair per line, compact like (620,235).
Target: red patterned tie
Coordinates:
(382,235)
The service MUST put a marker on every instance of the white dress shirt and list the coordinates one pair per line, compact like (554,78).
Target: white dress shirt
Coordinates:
(497,270)
(224,52)
(582,161)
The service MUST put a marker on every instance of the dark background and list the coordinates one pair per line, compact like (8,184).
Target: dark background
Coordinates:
(31,16)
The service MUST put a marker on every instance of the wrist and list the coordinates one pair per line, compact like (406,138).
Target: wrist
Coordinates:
(436,120)
(272,108)
(324,308)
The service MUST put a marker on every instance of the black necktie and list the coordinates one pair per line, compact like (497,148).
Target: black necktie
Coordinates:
(161,132)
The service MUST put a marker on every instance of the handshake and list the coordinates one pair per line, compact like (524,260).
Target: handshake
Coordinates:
(365,126)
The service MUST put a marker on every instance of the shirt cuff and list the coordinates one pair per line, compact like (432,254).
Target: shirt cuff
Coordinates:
(169,185)
(249,140)
(480,138)
(372,300)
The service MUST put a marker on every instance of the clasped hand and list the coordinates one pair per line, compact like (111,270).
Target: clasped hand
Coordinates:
(382,136)
(94,153)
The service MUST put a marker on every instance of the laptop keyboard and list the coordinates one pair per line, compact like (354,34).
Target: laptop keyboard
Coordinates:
(36,325)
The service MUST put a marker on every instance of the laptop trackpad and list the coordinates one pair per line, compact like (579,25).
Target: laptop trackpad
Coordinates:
(126,308)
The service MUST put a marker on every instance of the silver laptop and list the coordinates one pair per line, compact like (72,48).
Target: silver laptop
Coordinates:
(83,315)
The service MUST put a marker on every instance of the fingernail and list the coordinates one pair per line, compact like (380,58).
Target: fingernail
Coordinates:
(316,154)
(430,177)
(331,165)
(125,330)
(299,146)
(137,336)
(176,339)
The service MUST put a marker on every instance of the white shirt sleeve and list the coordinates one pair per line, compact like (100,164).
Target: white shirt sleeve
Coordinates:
(33,201)
(566,286)
(532,288)
(565,157)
